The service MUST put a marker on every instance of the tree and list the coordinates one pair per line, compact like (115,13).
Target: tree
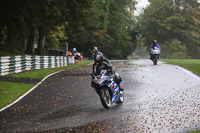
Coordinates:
(109,25)
(12,25)
(122,27)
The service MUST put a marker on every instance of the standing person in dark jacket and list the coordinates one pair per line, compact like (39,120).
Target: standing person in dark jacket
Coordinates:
(95,51)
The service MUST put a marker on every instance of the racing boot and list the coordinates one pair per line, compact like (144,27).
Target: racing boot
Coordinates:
(120,88)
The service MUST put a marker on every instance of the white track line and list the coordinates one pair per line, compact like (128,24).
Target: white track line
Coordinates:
(185,70)
(189,72)
(29,91)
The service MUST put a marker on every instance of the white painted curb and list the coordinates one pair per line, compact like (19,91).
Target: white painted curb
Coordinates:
(189,72)
(185,70)
(29,90)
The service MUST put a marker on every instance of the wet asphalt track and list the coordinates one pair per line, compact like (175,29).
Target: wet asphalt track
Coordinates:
(161,98)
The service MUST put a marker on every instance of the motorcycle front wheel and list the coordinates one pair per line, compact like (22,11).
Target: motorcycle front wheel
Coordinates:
(105,99)
(155,62)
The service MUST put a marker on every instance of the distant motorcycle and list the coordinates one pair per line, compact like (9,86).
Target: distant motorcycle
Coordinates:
(155,53)
(107,89)
(77,56)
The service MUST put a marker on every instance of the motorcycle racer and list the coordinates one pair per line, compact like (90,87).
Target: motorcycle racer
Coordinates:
(103,63)
(152,46)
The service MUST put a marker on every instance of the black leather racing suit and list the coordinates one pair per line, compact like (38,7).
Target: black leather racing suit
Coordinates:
(106,65)
(103,64)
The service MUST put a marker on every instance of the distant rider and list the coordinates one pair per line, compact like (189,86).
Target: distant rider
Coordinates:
(74,51)
(153,45)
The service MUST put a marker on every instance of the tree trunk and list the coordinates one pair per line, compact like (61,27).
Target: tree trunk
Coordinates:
(30,44)
(41,41)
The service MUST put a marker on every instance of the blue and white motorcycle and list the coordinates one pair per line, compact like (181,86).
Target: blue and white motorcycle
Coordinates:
(107,89)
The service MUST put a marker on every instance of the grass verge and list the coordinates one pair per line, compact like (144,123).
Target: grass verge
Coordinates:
(10,91)
(198,131)
(190,64)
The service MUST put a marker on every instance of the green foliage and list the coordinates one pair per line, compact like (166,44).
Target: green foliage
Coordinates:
(24,21)
(121,28)
(110,26)
(174,50)
(54,37)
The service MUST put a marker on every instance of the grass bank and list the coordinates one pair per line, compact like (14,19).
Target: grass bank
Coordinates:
(10,91)
(198,131)
(190,64)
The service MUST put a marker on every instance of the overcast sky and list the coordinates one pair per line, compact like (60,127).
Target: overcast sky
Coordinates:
(141,4)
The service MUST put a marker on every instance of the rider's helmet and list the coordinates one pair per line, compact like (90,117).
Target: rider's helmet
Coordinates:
(99,57)
(74,49)
(155,42)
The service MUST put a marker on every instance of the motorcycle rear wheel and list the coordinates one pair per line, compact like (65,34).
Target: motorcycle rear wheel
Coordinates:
(105,99)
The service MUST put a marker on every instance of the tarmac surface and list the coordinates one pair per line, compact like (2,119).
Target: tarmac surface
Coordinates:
(161,98)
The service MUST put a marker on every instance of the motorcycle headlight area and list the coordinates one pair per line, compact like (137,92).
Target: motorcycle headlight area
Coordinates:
(100,81)
(155,52)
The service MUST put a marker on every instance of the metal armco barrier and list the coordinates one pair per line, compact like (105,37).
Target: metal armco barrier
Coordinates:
(16,64)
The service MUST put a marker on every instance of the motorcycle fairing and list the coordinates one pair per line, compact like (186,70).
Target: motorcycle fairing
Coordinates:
(115,91)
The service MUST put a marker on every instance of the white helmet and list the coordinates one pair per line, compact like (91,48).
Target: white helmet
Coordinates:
(74,49)
(95,49)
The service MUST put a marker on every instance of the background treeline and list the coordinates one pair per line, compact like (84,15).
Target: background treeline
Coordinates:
(108,24)
(176,26)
